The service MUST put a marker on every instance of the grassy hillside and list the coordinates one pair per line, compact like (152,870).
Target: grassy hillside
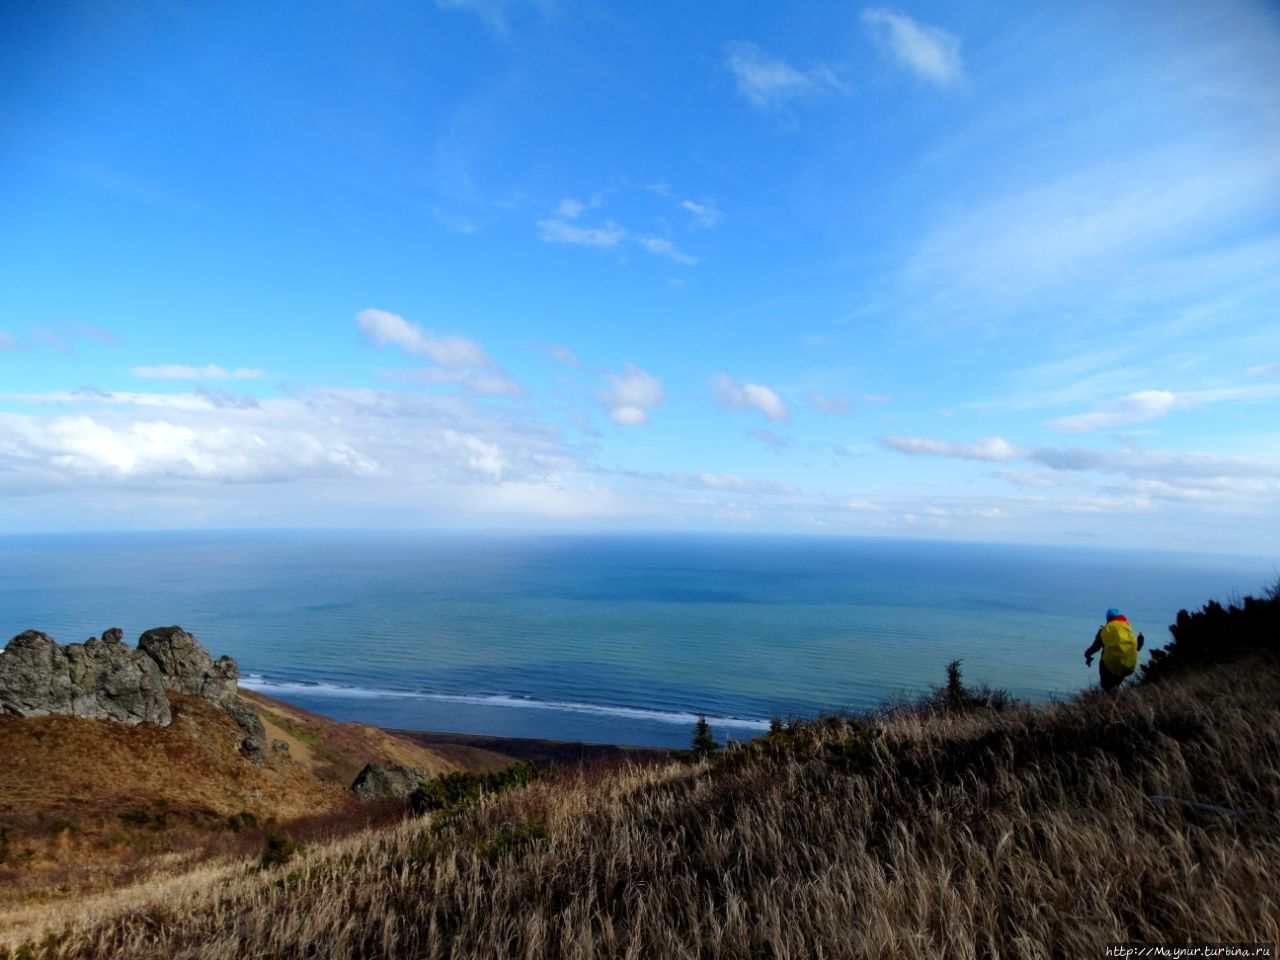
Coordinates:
(87,805)
(1150,814)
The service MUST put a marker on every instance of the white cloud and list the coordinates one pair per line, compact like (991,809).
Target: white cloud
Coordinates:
(482,456)
(705,214)
(734,483)
(1135,225)
(665,248)
(929,52)
(1133,408)
(743,396)
(1225,481)
(769,81)
(988,448)
(371,447)
(879,399)
(92,395)
(449,351)
(89,449)
(562,354)
(608,234)
(489,383)
(827,404)
(211,371)
(1262,370)
(1035,479)
(723,481)
(631,394)
(570,209)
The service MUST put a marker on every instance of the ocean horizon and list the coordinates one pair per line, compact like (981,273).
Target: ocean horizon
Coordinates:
(620,638)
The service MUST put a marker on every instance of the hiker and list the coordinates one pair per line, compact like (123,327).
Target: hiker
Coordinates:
(1119,650)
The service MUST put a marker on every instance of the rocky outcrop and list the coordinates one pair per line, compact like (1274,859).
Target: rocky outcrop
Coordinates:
(99,679)
(106,680)
(187,666)
(376,782)
(254,745)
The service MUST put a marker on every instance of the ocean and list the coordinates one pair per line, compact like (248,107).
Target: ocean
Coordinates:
(610,639)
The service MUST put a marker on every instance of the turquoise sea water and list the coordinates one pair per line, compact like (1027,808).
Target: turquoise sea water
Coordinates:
(606,638)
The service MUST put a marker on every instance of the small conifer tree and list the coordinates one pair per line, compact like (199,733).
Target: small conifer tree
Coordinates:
(704,743)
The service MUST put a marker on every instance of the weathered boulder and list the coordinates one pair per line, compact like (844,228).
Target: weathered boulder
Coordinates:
(187,666)
(376,782)
(106,680)
(100,680)
(254,745)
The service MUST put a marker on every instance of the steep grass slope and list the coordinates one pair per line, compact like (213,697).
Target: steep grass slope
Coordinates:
(1151,814)
(88,804)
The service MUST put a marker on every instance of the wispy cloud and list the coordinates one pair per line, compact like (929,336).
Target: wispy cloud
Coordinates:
(988,448)
(495,14)
(1233,480)
(660,246)
(631,394)
(607,234)
(562,354)
(449,350)
(825,404)
(931,53)
(210,371)
(1133,408)
(729,481)
(486,382)
(705,214)
(768,81)
(1138,223)
(769,438)
(750,396)
(60,339)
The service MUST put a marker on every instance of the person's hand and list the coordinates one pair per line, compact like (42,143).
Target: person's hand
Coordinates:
(1088,659)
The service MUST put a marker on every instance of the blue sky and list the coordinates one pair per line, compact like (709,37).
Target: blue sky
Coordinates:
(988,271)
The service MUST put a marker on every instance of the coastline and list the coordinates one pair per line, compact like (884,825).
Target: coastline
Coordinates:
(472,750)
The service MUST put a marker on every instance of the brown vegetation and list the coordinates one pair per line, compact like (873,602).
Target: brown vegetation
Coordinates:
(1150,814)
(88,805)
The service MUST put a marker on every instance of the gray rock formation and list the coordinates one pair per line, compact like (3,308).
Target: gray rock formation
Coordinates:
(106,680)
(102,680)
(187,666)
(376,781)
(254,745)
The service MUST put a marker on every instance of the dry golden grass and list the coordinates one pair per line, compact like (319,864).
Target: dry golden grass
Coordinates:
(88,805)
(1025,833)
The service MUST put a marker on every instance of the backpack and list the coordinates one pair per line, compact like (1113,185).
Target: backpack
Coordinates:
(1119,648)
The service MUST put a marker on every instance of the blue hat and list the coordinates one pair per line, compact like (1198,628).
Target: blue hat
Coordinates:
(1112,613)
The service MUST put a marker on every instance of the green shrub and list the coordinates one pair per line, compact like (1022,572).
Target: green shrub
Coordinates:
(279,849)
(453,791)
(517,840)
(955,697)
(134,817)
(244,820)
(704,743)
(1215,634)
